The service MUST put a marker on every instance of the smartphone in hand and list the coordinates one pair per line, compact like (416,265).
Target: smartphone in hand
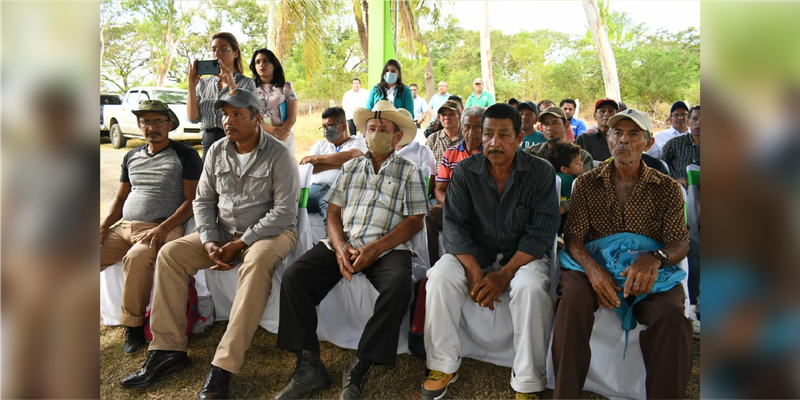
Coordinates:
(208,67)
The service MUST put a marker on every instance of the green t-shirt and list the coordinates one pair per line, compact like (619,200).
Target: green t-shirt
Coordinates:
(566,185)
(485,100)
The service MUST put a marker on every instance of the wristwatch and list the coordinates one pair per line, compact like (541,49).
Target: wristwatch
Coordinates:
(662,256)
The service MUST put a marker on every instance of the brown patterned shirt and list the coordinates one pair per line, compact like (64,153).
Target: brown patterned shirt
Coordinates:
(439,142)
(654,209)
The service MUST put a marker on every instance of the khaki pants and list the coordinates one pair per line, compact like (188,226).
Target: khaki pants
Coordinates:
(181,259)
(137,265)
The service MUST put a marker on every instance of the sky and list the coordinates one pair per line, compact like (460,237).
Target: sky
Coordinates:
(569,16)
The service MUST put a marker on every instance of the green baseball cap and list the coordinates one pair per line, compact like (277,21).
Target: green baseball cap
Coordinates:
(159,107)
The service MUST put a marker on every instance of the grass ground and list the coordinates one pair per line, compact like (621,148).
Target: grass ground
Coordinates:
(266,368)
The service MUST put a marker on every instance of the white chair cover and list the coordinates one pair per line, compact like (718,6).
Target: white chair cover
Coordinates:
(222,284)
(609,374)
(488,335)
(112,280)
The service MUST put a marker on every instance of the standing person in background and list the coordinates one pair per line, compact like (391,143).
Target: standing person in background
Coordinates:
(420,106)
(479,98)
(570,108)
(439,98)
(278,100)
(203,93)
(353,98)
(391,88)
(679,126)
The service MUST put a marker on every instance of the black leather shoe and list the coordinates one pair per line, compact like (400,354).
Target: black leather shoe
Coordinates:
(355,376)
(134,338)
(309,375)
(217,383)
(158,364)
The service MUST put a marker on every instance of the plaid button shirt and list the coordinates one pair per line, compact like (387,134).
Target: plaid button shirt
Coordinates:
(439,142)
(374,204)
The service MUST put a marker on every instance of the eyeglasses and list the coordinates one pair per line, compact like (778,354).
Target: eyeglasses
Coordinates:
(324,127)
(680,116)
(220,51)
(156,123)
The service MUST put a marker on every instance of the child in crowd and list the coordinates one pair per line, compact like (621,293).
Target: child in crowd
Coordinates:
(566,159)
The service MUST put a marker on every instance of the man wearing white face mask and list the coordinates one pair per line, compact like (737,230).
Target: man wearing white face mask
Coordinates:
(376,206)
(328,155)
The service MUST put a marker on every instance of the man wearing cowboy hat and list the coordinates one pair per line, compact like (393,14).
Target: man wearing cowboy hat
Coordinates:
(154,199)
(246,213)
(376,206)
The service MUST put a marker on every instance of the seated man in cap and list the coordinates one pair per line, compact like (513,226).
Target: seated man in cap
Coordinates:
(624,235)
(684,150)
(679,121)
(495,246)
(595,139)
(555,124)
(246,212)
(154,199)
(375,207)
(530,115)
(450,134)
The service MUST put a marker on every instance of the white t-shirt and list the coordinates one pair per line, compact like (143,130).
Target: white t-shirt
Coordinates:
(323,147)
(351,100)
(420,155)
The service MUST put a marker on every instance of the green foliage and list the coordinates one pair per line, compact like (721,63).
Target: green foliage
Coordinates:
(654,68)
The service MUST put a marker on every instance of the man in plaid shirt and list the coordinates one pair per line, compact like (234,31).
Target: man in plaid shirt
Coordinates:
(376,206)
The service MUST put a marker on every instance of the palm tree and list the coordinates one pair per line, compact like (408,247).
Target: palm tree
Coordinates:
(294,20)
(604,50)
(361,13)
(409,33)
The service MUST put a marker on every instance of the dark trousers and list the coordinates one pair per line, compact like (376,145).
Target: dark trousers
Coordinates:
(210,136)
(434,225)
(306,282)
(352,127)
(666,343)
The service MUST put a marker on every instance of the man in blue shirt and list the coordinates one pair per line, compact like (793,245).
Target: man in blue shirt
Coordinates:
(569,106)
(439,98)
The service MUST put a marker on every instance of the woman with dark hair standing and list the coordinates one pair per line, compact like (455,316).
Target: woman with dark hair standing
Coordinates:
(203,93)
(278,100)
(391,88)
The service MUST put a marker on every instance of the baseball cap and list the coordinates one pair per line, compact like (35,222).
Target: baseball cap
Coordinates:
(450,104)
(240,98)
(159,107)
(529,104)
(606,101)
(477,80)
(638,117)
(677,105)
(555,111)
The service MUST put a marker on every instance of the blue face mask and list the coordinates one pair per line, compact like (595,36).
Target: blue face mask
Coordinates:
(390,78)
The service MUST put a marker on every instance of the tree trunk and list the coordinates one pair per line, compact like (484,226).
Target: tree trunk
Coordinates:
(360,10)
(604,50)
(272,29)
(486,52)
(430,82)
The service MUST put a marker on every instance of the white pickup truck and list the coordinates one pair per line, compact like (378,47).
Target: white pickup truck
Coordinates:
(122,124)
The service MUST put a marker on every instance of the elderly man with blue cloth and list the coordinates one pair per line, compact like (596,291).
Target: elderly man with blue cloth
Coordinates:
(624,236)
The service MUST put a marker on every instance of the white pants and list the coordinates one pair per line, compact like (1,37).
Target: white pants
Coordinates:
(531,310)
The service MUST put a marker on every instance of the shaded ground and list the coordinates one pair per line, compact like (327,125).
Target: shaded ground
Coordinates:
(267,369)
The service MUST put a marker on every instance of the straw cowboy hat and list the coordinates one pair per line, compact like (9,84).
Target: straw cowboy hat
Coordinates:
(384,109)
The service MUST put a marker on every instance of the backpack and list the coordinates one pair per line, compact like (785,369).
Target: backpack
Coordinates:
(193,315)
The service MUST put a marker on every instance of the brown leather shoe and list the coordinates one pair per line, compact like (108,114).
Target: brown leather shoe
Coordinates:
(158,364)
(217,383)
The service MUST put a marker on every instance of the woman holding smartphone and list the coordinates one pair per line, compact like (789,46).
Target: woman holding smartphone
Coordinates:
(278,100)
(203,92)
(391,88)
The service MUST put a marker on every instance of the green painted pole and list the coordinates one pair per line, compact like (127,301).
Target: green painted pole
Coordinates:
(380,37)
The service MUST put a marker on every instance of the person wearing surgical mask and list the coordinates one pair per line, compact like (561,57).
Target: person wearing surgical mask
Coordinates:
(391,88)
(328,155)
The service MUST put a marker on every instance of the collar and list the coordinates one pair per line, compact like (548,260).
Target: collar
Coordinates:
(646,174)
(463,146)
(443,134)
(262,142)
(688,130)
(391,157)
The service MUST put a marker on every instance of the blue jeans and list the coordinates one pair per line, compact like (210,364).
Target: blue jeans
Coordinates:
(316,192)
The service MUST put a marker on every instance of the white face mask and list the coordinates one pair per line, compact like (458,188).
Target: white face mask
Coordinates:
(390,78)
